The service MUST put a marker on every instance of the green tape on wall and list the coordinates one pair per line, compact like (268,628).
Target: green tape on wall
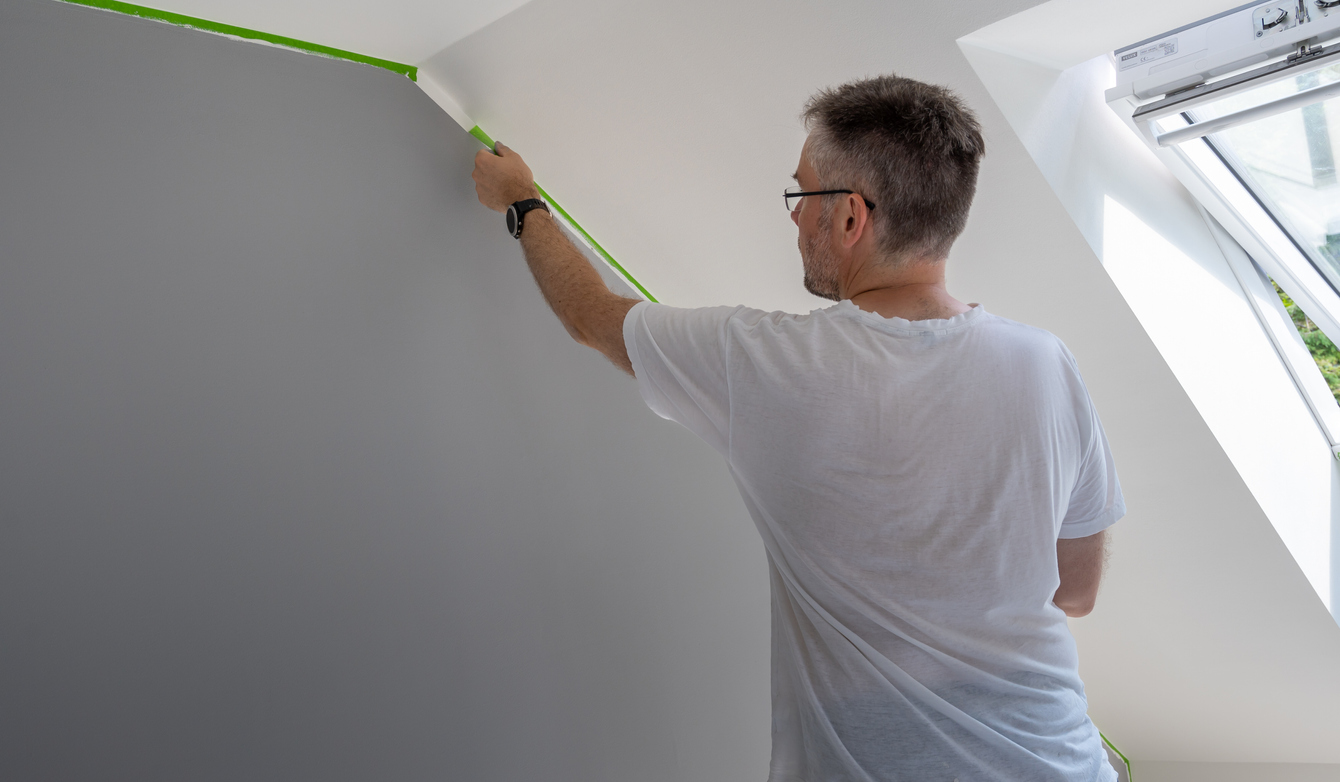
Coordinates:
(484,139)
(241,32)
(1124,759)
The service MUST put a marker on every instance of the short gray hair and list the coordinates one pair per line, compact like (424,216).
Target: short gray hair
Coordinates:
(912,148)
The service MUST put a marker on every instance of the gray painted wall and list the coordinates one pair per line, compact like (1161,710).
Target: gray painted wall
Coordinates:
(298,477)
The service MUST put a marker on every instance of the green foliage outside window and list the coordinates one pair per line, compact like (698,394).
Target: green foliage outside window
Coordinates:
(1322,349)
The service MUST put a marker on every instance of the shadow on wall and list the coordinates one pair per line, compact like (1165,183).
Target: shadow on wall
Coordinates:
(1335,543)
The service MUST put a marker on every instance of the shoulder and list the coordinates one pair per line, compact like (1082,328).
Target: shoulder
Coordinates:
(739,319)
(652,313)
(1022,335)
(750,319)
(1025,351)
(691,327)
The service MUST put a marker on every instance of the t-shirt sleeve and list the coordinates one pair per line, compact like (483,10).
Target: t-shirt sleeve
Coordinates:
(1095,502)
(679,357)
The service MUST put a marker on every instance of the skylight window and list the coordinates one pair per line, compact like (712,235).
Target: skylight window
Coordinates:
(1257,147)
(1287,160)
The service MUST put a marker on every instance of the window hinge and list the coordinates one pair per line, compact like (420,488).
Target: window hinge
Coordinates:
(1305,51)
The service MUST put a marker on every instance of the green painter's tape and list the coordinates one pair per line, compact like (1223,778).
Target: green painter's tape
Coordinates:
(292,43)
(241,32)
(1124,759)
(484,139)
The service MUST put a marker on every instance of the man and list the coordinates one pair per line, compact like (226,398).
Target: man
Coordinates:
(931,482)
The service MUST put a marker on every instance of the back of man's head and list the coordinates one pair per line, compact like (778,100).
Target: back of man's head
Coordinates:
(911,148)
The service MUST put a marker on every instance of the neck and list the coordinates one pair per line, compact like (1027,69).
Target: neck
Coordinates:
(914,291)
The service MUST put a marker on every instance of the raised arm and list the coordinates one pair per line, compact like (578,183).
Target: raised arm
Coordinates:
(1080,561)
(590,311)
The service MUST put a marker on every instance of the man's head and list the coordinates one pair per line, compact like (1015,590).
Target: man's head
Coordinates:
(912,149)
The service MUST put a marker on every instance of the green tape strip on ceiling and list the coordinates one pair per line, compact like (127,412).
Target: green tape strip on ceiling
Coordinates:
(411,71)
(483,137)
(241,32)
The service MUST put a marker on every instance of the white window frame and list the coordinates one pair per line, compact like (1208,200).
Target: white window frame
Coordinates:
(1257,250)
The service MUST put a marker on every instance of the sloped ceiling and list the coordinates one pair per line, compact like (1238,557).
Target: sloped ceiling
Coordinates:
(669,129)
(406,31)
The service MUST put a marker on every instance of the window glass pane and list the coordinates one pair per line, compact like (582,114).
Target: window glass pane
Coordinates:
(1288,161)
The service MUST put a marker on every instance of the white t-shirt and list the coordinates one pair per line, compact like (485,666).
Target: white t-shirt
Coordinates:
(910,480)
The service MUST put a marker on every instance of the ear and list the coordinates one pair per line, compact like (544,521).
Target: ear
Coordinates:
(852,219)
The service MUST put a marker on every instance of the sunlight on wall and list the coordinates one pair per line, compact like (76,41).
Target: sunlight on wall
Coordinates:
(1200,339)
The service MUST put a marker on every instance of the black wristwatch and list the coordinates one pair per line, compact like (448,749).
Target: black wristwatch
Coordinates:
(516,214)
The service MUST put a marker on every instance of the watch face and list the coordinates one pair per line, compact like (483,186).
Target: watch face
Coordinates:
(511,220)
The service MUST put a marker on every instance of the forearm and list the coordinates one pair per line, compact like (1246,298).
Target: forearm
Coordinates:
(574,290)
(591,313)
(1080,562)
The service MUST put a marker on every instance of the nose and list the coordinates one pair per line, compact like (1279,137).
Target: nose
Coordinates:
(795,216)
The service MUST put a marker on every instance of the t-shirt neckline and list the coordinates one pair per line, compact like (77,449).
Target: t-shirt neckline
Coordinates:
(905,326)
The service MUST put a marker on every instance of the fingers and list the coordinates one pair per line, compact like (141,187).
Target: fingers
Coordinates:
(481,163)
(502,179)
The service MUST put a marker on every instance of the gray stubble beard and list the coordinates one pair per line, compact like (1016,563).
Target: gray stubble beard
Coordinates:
(816,257)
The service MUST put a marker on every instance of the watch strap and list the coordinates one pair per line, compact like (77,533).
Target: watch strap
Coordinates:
(516,214)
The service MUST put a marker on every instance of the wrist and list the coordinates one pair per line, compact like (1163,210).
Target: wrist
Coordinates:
(518,211)
(532,218)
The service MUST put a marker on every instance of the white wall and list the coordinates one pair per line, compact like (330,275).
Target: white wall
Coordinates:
(668,129)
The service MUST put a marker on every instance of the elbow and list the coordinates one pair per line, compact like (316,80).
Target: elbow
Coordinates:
(1076,611)
(576,334)
(575,330)
(1075,607)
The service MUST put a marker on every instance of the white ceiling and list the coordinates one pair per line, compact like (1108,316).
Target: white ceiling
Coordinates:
(1062,33)
(405,31)
(669,129)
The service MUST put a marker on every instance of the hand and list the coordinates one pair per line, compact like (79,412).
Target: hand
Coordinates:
(502,179)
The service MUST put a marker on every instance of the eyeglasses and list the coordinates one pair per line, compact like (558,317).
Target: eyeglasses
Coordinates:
(794,192)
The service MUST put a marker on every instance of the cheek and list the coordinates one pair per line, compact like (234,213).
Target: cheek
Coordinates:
(813,227)
(807,224)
